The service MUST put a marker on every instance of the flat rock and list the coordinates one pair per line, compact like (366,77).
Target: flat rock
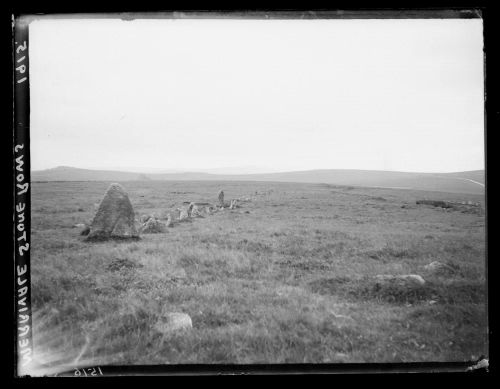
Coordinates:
(439,267)
(412,279)
(174,321)
(435,203)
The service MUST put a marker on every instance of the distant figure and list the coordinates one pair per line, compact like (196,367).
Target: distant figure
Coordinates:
(115,217)
(221,198)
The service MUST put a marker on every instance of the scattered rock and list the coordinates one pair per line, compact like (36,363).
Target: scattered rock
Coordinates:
(233,204)
(153,226)
(79,225)
(341,357)
(145,218)
(337,316)
(114,218)
(195,211)
(174,322)
(435,203)
(183,215)
(85,231)
(439,268)
(122,263)
(414,279)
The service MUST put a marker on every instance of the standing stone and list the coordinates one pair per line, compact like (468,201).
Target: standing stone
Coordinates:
(221,198)
(190,209)
(195,211)
(183,215)
(169,221)
(153,226)
(115,217)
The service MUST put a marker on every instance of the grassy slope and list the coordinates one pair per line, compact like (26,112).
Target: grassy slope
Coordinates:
(287,282)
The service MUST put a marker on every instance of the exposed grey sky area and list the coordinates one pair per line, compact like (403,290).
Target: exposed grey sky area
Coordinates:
(257,95)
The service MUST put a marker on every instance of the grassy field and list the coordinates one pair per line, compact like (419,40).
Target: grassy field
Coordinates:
(286,278)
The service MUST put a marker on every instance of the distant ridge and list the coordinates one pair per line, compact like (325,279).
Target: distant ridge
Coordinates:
(459,182)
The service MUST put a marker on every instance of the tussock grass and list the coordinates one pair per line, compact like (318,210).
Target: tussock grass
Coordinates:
(365,289)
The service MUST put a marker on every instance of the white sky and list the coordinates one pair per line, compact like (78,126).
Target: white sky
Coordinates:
(283,95)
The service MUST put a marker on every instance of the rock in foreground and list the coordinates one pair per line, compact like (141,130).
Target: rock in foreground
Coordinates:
(174,321)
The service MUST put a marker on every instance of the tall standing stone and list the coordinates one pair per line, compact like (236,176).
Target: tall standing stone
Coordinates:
(221,198)
(184,213)
(169,221)
(190,209)
(114,218)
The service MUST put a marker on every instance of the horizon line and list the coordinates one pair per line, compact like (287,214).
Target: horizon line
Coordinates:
(195,170)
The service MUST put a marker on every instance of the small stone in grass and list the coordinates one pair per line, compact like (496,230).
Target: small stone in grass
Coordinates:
(174,321)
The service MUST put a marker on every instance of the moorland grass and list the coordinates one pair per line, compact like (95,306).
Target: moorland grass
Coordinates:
(286,278)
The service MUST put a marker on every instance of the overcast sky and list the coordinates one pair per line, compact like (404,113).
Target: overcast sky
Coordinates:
(273,95)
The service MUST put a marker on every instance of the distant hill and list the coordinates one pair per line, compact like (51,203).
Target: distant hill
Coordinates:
(459,182)
(67,173)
